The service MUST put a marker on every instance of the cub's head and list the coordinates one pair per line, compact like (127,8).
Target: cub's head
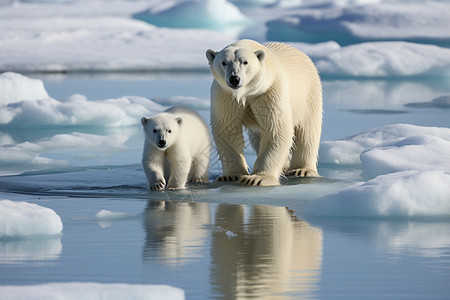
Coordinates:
(162,129)
(235,67)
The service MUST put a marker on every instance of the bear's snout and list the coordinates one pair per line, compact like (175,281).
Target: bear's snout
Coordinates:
(162,143)
(234,81)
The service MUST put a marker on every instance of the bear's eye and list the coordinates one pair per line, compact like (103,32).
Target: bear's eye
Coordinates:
(245,62)
(224,63)
(169,131)
(154,130)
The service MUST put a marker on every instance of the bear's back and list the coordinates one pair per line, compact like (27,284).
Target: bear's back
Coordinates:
(193,128)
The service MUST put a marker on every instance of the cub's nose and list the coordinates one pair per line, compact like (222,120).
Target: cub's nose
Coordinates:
(161,143)
(234,81)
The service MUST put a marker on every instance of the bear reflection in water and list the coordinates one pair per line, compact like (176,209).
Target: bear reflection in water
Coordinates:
(256,250)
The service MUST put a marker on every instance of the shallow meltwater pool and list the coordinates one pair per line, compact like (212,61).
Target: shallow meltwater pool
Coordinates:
(219,241)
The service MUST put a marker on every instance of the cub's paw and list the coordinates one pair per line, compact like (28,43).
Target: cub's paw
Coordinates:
(197,180)
(258,180)
(228,178)
(158,186)
(302,173)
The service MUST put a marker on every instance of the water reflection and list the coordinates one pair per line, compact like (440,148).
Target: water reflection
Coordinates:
(271,253)
(175,231)
(257,251)
(21,251)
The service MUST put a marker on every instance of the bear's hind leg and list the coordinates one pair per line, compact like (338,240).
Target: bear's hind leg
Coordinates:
(199,169)
(304,156)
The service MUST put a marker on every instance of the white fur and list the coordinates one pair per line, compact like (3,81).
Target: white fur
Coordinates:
(278,99)
(185,156)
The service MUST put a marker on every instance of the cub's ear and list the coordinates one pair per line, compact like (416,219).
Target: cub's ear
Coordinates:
(260,54)
(179,120)
(210,55)
(144,120)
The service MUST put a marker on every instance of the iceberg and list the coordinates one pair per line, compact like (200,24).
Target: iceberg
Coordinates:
(219,15)
(25,220)
(91,290)
(426,22)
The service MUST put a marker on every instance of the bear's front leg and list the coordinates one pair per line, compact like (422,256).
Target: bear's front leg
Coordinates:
(276,132)
(154,169)
(179,171)
(226,125)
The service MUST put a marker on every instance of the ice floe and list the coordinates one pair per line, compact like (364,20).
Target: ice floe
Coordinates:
(22,220)
(408,169)
(90,290)
(407,194)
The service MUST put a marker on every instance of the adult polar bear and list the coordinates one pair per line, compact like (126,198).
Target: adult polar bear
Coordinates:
(273,90)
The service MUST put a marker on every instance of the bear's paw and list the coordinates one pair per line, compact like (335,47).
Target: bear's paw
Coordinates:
(258,180)
(158,186)
(301,172)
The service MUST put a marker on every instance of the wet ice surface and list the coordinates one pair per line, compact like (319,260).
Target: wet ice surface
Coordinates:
(226,241)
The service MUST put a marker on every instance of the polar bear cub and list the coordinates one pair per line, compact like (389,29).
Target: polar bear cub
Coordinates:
(274,91)
(176,148)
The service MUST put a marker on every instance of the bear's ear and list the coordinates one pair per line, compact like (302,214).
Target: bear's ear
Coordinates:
(260,54)
(144,120)
(179,120)
(210,55)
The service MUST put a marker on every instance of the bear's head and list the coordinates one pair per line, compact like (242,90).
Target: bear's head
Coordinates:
(235,67)
(162,129)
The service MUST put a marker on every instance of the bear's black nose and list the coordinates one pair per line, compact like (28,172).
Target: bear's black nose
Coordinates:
(234,81)
(161,143)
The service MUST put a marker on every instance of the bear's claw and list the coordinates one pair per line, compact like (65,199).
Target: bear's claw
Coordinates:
(302,173)
(228,178)
(258,180)
(158,186)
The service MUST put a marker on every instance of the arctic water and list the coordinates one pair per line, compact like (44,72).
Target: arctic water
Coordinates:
(222,241)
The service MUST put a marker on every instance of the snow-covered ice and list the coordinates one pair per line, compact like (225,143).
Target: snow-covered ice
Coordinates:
(407,194)
(408,167)
(90,290)
(22,219)
(347,151)
(425,22)
(15,87)
(76,37)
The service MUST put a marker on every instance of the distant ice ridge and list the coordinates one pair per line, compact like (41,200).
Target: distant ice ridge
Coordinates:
(408,169)
(24,220)
(379,59)
(425,22)
(91,291)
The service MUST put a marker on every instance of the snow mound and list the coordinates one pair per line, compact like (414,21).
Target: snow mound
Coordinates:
(22,219)
(92,291)
(379,59)
(216,15)
(77,110)
(347,151)
(427,22)
(417,152)
(398,195)
(16,87)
